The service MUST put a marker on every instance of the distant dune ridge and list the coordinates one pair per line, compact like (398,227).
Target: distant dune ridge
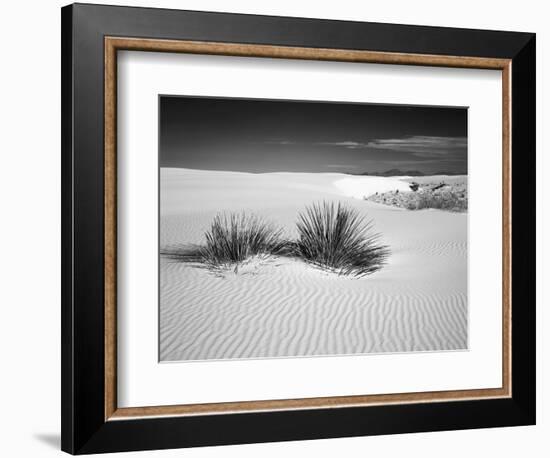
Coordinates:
(282,307)
(361,187)
(439,191)
(410,173)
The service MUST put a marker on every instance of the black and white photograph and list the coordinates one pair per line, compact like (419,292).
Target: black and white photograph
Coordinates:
(309,228)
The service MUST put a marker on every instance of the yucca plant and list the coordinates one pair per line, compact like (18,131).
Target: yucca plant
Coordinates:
(337,237)
(232,238)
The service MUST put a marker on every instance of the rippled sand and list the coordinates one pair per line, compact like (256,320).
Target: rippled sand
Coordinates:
(279,307)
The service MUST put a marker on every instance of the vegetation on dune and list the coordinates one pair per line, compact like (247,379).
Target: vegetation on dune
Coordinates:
(230,240)
(233,238)
(449,195)
(444,201)
(332,236)
(337,237)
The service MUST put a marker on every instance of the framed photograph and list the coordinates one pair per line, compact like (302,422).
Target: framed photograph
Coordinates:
(281,228)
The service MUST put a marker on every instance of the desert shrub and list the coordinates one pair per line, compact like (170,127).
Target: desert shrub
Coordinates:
(337,237)
(332,236)
(444,201)
(234,237)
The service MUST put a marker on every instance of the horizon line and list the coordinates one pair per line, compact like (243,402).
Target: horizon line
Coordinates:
(331,172)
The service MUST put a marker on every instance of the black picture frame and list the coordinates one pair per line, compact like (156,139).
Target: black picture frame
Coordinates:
(84,427)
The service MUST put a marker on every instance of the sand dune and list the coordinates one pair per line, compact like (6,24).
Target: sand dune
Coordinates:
(281,307)
(360,187)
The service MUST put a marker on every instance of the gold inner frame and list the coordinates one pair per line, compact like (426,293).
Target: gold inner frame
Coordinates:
(114,44)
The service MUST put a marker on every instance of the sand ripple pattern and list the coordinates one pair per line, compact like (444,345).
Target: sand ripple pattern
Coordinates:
(286,308)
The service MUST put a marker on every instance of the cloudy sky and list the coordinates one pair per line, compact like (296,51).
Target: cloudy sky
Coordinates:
(254,135)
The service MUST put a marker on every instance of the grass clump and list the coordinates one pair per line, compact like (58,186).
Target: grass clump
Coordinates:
(233,238)
(337,237)
(331,236)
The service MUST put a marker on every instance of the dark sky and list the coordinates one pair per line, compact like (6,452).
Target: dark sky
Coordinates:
(255,135)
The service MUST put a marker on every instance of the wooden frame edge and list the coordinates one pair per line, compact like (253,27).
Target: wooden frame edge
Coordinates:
(507,228)
(291,52)
(110,201)
(111,46)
